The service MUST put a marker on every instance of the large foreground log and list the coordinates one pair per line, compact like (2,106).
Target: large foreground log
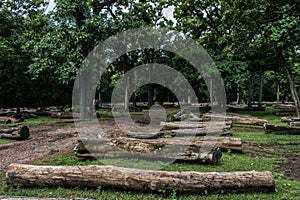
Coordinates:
(270,128)
(17,133)
(139,180)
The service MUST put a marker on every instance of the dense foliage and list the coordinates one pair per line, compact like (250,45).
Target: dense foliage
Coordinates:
(254,43)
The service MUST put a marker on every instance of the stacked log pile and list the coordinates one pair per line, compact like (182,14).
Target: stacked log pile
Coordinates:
(179,140)
(284,109)
(17,133)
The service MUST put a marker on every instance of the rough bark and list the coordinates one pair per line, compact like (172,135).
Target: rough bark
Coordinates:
(181,149)
(20,175)
(238,119)
(162,149)
(290,80)
(192,125)
(276,129)
(5,121)
(17,133)
(201,132)
(261,86)
(293,119)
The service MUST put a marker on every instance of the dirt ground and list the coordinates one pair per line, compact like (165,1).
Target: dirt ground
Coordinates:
(48,141)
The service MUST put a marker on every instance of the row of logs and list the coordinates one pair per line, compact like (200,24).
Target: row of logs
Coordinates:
(16,133)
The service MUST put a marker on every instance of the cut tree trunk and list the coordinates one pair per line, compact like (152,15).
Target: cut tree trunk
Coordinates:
(270,128)
(181,149)
(5,121)
(238,119)
(294,124)
(20,175)
(201,132)
(17,133)
(293,119)
(65,115)
(148,150)
(192,125)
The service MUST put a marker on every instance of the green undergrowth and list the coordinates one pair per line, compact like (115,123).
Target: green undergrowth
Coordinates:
(6,141)
(268,150)
(285,187)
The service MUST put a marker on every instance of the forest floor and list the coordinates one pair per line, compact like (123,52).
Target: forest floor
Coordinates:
(52,141)
(48,141)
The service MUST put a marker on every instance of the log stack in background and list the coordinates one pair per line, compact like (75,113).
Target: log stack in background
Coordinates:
(16,133)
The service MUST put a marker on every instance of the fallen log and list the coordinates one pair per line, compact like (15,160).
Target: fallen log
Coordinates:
(180,149)
(283,113)
(20,175)
(293,119)
(294,124)
(201,132)
(224,143)
(235,119)
(64,115)
(276,129)
(192,125)
(5,121)
(148,150)
(17,133)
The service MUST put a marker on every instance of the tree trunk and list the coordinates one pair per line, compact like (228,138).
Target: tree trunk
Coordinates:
(150,95)
(238,94)
(20,175)
(261,86)
(17,133)
(278,94)
(290,80)
(249,94)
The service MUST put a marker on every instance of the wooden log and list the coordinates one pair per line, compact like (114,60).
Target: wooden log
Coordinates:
(64,115)
(192,125)
(148,150)
(292,119)
(283,113)
(5,121)
(201,132)
(20,175)
(294,124)
(235,119)
(276,129)
(17,133)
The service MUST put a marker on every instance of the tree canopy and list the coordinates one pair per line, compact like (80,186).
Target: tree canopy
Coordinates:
(254,44)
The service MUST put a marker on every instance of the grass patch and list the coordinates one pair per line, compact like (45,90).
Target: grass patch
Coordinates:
(6,141)
(42,120)
(286,188)
(273,145)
